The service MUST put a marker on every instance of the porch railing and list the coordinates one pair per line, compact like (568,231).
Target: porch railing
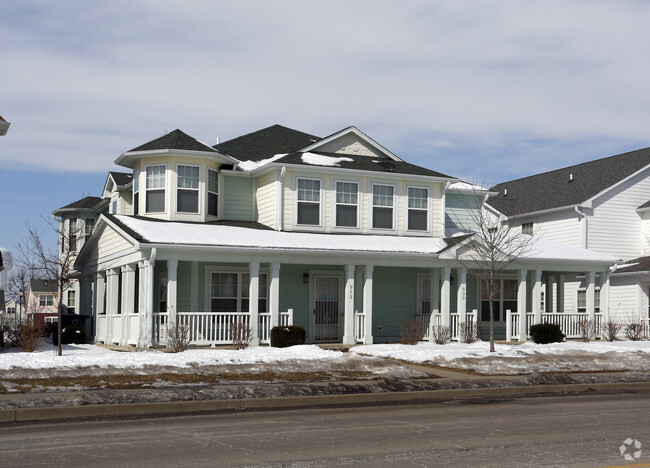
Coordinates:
(455,321)
(359,327)
(101,327)
(571,324)
(211,328)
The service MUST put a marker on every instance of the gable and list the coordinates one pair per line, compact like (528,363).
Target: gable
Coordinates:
(351,144)
(110,242)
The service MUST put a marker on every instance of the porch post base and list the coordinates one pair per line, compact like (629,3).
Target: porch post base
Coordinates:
(367,339)
(348,340)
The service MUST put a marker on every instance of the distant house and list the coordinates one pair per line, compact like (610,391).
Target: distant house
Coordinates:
(42,301)
(601,205)
(4,126)
(336,234)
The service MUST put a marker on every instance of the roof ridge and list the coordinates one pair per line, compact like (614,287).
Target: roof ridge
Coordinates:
(246,135)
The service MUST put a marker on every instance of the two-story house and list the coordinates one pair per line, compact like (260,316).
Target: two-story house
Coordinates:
(601,205)
(42,301)
(336,234)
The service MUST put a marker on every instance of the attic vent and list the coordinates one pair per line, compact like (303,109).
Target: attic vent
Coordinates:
(505,192)
(570,177)
(218,141)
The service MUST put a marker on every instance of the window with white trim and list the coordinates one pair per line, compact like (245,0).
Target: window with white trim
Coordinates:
(418,209)
(213,193)
(52,320)
(582,300)
(72,301)
(527,228)
(89,225)
(45,300)
(187,189)
(230,292)
(382,206)
(155,189)
(309,202)
(347,196)
(136,192)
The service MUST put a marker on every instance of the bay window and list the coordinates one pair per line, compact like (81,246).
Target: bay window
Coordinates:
(155,189)
(213,191)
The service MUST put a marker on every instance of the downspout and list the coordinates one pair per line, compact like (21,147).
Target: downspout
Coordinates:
(444,203)
(279,224)
(583,227)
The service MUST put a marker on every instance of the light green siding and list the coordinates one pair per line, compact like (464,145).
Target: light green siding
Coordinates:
(294,294)
(394,301)
(184,290)
(237,198)
(458,210)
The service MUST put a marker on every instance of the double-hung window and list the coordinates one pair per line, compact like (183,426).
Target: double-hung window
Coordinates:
(72,235)
(418,208)
(347,194)
(45,300)
(527,228)
(382,206)
(582,300)
(155,188)
(89,225)
(309,202)
(213,193)
(230,292)
(72,301)
(187,199)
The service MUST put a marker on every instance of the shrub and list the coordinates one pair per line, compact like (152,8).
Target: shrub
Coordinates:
(283,337)
(634,331)
(178,337)
(611,329)
(28,337)
(241,335)
(543,333)
(440,334)
(468,332)
(586,329)
(71,334)
(412,332)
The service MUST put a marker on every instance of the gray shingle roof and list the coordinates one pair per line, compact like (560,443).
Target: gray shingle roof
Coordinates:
(86,203)
(265,143)
(40,285)
(366,163)
(175,140)
(640,264)
(568,186)
(121,178)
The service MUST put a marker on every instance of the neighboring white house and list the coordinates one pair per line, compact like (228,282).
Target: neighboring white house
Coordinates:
(337,234)
(601,205)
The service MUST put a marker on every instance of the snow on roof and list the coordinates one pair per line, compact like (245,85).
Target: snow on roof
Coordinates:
(321,160)
(157,232)
(252,165)
(544,249)
(467,187)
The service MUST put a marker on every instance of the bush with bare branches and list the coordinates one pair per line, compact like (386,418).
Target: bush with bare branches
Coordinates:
(611,329)
(241,333)
(634,331)
(27,337)
(178,337)
(441,334)
(412,332)
(586,329)
(469,332)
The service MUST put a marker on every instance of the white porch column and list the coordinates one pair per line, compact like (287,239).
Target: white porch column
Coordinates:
(604,296)
(461,295)
(367,304)
(549,302)
(253,301)
(146,317)
(348,320)
(590,277)
(434,297)
(100,294)
(445,298)
(274,294)
(128,300)
(560,294)
(172,289)
(537,296)
(111,304)
(521,305)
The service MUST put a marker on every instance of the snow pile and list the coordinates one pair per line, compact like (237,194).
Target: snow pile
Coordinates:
(524,358)
(320,160)
(252,165)
(75,356)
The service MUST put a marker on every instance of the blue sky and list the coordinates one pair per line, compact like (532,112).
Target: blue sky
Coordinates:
(487,91)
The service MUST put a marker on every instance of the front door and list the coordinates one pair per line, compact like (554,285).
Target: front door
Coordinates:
(326,308)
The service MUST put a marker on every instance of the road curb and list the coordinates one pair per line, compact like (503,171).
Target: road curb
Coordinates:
(188,407)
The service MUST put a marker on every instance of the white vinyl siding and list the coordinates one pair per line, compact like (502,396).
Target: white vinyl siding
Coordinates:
(562,226)
(111,243)
(267,199)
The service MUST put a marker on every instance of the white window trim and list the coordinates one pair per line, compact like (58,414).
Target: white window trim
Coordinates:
(421,277)
(371,202)
(197,190)
(428,209)
(208,192)
(358,204)
(239,270)
(165,190)
(44,295)
(596,295)
(136,191)
(321,204)
(86,224)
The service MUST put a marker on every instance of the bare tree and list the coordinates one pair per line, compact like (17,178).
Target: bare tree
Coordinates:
(492,244)
(42,262)
(18,283)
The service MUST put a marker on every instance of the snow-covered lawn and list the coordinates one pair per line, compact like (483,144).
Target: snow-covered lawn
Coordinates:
(528,357)
(508,359)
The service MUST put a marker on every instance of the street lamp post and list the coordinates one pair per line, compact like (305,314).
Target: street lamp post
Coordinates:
(20,304)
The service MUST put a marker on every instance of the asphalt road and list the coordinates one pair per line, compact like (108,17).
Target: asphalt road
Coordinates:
(543,431)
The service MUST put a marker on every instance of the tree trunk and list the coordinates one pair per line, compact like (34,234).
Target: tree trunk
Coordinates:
(60,316)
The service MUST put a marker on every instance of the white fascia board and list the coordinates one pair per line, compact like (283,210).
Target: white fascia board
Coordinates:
(589,202)
(536,213)
(343,170)
(127,159)
(232,172)
(358,133)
